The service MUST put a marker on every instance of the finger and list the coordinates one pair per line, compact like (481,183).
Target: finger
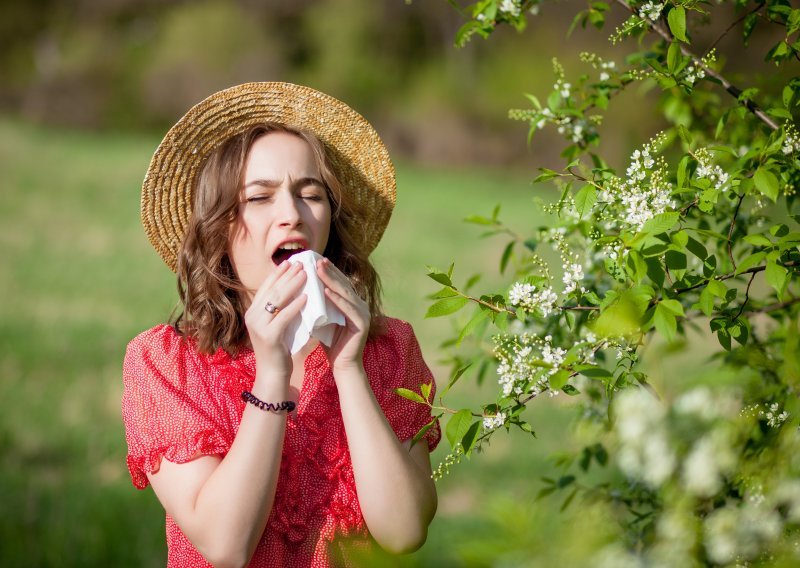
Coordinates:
(270,281)
(283,292)
(334,278)
(354,312)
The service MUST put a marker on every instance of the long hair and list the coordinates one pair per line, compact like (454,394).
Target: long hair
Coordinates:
(211,294)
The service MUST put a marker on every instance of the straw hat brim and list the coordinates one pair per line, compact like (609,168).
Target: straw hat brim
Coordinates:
(359,157)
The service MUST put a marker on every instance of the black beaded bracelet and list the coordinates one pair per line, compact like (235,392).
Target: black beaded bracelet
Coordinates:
(287,405)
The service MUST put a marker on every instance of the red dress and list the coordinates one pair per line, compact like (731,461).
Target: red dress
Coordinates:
(179,403)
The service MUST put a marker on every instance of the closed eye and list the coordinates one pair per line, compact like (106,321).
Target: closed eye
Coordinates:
(258,198)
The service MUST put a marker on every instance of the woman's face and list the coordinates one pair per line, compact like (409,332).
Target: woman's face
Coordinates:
(285,208)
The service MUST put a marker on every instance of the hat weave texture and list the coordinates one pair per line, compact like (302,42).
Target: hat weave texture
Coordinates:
(359,157)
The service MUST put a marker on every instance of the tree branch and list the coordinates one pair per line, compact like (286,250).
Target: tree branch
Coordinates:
(727,85)
(733,25)
(753,270)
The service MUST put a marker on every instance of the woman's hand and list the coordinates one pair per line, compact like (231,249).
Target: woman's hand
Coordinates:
(267,330)
(347,348)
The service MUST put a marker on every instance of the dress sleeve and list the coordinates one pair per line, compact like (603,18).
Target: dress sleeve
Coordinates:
(163,407)
(404,367)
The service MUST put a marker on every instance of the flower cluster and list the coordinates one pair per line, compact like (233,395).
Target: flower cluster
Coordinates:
(651,11)
(775,419)
(495,421)
(694,74)
(791,140)
(532,298)
(645,451)
(510,7)
(562,88)
(450,460)
(644,193)
(526,362)
(707,170)
(652,444)
(597,62)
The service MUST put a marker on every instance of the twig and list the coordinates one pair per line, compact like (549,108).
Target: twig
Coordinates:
(733,274)
(746,295)
(775,307)
(730,231)
(733,25)
(727,85)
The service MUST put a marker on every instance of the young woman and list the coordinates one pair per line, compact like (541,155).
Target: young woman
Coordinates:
(262,457)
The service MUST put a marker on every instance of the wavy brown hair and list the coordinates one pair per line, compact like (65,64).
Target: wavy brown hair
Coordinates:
(211,294)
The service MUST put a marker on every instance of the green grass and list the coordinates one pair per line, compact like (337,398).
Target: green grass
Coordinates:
(79,280)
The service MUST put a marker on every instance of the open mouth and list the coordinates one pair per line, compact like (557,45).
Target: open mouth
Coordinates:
(286,250)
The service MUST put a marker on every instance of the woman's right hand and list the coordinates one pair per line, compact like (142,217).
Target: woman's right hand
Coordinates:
(267,330)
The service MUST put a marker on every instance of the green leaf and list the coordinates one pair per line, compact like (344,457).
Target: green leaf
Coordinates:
(767,183)
(777,277)
(425,389)
(446,292)
(594,372)
(706,301)
(673,60)
(440,277)
(458,425)
(696,248)
(661,222)
(665,322)
(410,395)
(637,266)
(558,379)
(677,23)
(750,262)
(758,240)
(504,258)
(672,306)
(683,167)
(474,322)
(675,260)
(446,306)
(570,390)
(424,430)
(545,175)
(471,436)
(585,199)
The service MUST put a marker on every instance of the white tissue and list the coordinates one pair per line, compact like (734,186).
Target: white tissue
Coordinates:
(319,316)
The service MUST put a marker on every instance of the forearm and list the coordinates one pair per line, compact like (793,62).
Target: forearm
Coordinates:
(225,515)
(397,496)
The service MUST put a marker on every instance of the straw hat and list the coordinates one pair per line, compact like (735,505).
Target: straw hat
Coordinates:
(358,155)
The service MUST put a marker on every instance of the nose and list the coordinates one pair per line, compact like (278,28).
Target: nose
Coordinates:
(288,211)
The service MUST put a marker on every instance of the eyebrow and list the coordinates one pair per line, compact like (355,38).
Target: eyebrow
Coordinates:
(271,183)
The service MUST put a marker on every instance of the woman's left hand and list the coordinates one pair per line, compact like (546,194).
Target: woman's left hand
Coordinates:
(347,348)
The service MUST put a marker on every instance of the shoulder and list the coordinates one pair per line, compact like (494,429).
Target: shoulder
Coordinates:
(396,337)
(160,352)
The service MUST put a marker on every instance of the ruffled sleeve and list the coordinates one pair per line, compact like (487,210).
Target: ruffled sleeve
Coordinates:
(398,359)
(166,404)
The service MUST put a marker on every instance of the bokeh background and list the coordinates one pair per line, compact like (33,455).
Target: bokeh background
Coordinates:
(87,88)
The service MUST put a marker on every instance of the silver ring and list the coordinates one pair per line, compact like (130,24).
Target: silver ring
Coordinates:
(272,308)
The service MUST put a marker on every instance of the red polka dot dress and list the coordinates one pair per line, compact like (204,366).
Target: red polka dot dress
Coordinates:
(178,404)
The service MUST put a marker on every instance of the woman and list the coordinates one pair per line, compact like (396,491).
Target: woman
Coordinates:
(249,177)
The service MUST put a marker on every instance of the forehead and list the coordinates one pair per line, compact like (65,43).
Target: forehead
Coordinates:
(278,155)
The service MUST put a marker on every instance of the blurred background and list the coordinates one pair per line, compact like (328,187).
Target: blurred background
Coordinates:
(87,89)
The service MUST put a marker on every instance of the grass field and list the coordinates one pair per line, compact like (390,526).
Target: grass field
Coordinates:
(79,280)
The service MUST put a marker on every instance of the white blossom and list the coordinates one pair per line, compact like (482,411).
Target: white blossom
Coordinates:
(645,451)
(694,74)
(531,298)
(510,7)
(710,459)
(525,363)
(604,76)
(644,193)
(651,11)
(573,274)
(774,417)
(706,169)
(731,533)
(492,422)
(791,140)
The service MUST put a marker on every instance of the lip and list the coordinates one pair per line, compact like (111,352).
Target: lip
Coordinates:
(300,241)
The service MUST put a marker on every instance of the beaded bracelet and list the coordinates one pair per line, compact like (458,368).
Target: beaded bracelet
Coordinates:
(287,405)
